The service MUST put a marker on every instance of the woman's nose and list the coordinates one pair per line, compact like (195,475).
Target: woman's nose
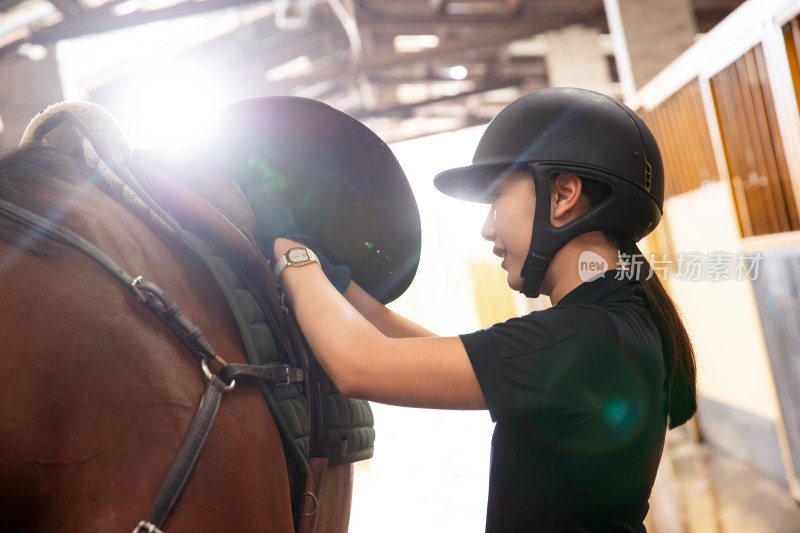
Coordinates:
(487,231)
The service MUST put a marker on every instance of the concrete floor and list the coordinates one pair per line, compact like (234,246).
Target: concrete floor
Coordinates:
(700,490)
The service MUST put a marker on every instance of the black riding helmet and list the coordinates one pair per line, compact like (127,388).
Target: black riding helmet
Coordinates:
(568,131)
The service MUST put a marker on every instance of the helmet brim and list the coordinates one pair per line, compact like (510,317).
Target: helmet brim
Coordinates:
(475,183)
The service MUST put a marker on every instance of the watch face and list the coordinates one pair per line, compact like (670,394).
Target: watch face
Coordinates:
(297,255)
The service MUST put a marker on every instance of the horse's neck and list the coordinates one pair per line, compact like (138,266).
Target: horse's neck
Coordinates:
(89,211)
(103,390)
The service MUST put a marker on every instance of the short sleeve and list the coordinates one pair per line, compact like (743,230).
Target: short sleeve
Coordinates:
(540,364)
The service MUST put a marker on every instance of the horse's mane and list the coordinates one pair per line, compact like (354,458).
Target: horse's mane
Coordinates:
(43,180)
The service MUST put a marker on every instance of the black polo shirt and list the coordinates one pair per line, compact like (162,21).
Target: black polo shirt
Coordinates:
(578,394)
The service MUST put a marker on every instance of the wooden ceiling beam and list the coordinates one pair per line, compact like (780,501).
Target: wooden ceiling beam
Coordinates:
(406,110)
(716,4)
(404,23)
(488,39)
(100,19)
(68,7)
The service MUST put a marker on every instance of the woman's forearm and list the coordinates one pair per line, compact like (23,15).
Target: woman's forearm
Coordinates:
(365,362)
(387,321)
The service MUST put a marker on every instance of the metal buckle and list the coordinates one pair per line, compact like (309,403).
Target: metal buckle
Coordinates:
(136,290)
(283,302)
(210,376)
(146,527)
(288,378)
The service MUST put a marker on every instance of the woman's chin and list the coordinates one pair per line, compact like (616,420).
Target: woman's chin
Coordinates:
(514,282)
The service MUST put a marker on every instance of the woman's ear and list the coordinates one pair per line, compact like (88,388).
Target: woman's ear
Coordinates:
(565,190)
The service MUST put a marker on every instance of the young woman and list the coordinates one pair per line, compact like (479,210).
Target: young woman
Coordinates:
(582,392)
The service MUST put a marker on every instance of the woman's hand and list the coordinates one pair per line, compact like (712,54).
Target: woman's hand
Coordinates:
(275,219)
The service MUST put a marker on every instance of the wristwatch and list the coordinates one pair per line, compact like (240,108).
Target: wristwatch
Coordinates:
(295,257)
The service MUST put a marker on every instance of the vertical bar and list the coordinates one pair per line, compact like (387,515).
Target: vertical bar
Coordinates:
(733,150)
(757,128)
(695,104)
(742,107)
(773,140)
(692,144)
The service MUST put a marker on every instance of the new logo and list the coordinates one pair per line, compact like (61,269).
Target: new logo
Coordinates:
(590,265)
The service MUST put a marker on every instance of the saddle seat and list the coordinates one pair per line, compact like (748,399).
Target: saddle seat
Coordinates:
(203,201)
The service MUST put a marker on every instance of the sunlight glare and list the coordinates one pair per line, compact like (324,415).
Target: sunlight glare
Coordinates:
(171,109)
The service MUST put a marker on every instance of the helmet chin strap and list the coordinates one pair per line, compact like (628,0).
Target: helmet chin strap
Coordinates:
(533,272)
(546,239)
(535,267)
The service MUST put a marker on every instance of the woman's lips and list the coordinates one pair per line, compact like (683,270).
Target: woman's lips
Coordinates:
(501,253)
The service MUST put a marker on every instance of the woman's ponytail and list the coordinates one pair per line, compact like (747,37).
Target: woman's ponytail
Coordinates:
(679,360)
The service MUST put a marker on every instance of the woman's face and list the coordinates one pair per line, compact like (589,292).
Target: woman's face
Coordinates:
(509,224)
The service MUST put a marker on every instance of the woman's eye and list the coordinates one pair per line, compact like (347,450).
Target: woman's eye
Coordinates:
(494,196)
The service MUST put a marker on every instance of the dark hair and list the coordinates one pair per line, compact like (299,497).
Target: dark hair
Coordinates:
(679,360)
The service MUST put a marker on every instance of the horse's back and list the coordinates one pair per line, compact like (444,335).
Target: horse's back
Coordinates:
(98,394)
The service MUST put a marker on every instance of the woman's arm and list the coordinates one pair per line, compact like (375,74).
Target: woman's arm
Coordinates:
(369,361)
(387,321)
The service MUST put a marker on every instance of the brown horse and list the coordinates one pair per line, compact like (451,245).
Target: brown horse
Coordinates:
(98,393)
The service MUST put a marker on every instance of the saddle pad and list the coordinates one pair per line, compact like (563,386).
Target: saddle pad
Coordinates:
(345,420)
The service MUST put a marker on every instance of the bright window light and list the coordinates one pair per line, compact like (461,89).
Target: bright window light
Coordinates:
(124,8)
(415,43)
(458,72)
(169,109)
(34,52)
(409,93)
(291,69)
(450,88)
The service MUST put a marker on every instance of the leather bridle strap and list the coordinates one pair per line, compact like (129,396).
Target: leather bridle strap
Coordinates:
(147,293)
(182,467)
(58,233)
(167,311)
